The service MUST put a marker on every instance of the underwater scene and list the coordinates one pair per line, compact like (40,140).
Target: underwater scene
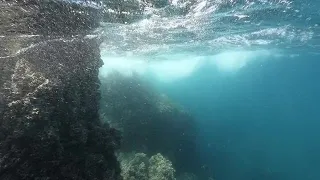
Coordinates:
(159,90)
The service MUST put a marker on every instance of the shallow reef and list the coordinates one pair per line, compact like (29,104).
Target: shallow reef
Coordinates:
(149,121)
(138,166)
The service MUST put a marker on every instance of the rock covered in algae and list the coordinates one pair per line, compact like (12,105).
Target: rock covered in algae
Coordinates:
(134,166)
(187,176)
(160,168)
(49,93)
(139,167)
(47,17)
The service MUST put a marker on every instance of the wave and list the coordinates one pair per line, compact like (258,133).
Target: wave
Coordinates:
(210,27)
(175,41)
(184,65)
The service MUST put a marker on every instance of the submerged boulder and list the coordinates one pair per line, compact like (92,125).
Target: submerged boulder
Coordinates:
(138,166)
(160,168)
(187,176)
(49,96)
(150,122)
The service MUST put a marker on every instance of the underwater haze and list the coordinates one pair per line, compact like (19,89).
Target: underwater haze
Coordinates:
(246,70)
(159,89)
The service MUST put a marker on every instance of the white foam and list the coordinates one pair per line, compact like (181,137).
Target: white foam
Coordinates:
(175,69)
(124,65)
(232,61)
(179,66)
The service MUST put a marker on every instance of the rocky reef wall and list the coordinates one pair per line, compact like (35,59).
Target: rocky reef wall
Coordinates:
(149,121)
(49,94)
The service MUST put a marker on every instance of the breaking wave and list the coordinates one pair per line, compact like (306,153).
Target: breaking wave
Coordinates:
(225,33)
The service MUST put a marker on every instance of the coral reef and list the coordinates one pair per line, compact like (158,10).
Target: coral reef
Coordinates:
(49,95)
(139,167)
(150,122)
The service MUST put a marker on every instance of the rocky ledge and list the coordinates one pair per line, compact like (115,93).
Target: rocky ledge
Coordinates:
(49,95)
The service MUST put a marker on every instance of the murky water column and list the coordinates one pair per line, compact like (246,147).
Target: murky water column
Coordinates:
(49,123)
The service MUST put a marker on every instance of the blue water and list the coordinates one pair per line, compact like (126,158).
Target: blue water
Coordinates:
(261,123)
(247,71)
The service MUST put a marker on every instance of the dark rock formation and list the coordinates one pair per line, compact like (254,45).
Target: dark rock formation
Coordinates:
(49,94)
(47,17)
(150,122)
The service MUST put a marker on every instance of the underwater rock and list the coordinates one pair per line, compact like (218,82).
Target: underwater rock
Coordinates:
(187,176)
(49,98)
(139,167)
(47,17)
(150,122)
(134,166)
(160,168)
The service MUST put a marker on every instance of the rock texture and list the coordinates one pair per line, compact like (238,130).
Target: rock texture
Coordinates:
(139,166)
(150,122)
(49,94)
(47,17)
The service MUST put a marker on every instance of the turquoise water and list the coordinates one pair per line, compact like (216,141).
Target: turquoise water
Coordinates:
(261,123)
(248,72)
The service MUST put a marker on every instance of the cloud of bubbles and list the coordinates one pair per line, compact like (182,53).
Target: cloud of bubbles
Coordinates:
(175,67)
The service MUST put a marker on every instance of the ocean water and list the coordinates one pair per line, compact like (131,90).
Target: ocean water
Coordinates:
(247,70)
(261,123)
